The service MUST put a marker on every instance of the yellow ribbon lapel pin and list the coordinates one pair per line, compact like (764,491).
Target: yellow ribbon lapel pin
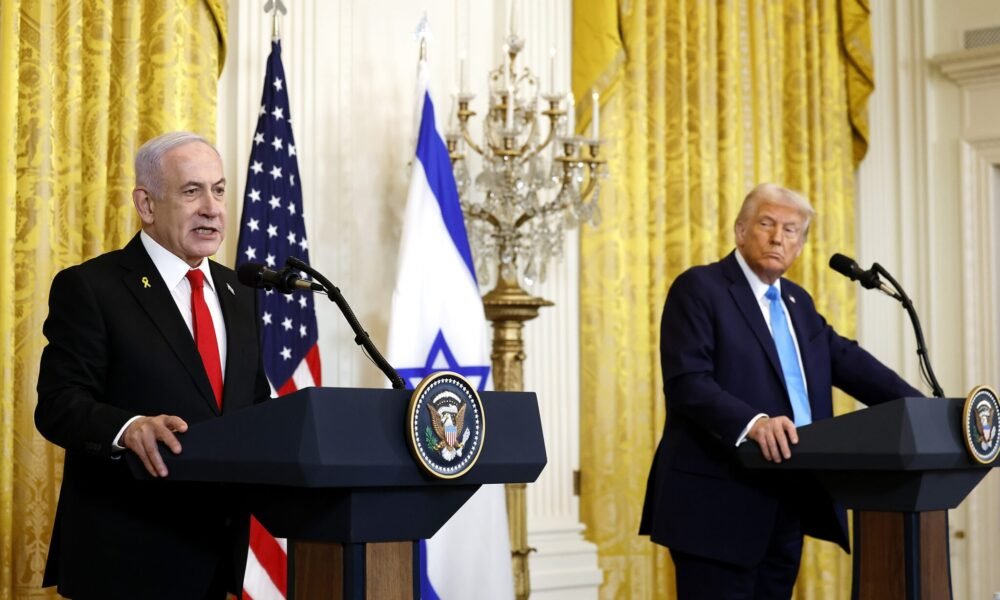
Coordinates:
(145,282)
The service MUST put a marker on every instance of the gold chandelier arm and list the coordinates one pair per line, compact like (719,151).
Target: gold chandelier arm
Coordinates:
(478,212)
(593,165)
(548,140)
(468,139)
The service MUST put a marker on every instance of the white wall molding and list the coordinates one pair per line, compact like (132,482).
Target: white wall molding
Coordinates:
(977,73)
(967,67)
(980,261)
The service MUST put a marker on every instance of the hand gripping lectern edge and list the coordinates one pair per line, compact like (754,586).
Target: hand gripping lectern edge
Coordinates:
(330,469)
(900,466)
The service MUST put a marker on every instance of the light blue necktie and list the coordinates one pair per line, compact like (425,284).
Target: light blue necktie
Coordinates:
(789,360)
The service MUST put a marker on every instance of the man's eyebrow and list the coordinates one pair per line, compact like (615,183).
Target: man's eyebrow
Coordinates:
(200,184)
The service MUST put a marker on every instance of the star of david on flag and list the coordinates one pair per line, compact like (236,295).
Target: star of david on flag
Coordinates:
(272,228)
(437,323)
(441,358)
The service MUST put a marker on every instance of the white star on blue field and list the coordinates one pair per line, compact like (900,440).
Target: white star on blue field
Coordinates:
(440,358)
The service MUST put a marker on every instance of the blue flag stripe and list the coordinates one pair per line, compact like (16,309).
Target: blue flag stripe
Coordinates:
(433,155)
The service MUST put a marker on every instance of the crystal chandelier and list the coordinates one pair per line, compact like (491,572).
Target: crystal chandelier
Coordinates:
(537,180)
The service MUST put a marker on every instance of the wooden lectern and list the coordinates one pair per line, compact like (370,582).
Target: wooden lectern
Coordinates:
(900,466)
(330,469)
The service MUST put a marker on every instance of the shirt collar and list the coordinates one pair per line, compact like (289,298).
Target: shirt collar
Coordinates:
(171,267)
(759,287)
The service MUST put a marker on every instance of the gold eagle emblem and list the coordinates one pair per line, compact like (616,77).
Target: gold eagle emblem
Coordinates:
(447,423)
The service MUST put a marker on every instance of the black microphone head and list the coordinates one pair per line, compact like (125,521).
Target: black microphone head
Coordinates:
(845,265)
(251,274)
(296,262)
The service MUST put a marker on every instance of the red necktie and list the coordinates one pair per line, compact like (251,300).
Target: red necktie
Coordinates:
(204,333)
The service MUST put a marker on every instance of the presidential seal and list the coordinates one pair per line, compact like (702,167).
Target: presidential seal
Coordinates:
(446,425)
(981,417)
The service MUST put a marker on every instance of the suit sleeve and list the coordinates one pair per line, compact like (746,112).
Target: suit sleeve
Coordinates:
(861,375)
(72,374)
(687,357)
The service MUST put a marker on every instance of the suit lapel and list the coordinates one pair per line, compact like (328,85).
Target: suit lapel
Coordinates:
(749,307)
(143,280)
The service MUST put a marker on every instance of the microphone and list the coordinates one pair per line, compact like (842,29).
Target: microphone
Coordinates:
(361,336)
(846,266)
(256,275)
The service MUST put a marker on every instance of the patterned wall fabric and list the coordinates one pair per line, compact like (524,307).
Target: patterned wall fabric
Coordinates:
(82,84)
(701,100)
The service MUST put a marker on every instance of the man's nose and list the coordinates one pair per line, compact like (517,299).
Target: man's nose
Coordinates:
(210,207)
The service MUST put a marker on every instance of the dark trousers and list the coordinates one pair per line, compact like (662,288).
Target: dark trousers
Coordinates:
(700,578)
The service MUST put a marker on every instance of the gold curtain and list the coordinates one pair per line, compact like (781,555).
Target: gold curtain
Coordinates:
(82,84)
(701,99)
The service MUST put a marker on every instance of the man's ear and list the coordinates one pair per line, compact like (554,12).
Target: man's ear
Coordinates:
(143,205)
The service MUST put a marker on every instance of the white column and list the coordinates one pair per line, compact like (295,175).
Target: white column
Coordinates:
(565,565)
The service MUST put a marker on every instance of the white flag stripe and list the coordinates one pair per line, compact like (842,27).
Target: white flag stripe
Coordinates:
(437,323)
(303,376)
(257,582)
(434,283)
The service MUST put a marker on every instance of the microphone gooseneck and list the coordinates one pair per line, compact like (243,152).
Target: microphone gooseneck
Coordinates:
(361,337)
(869,279)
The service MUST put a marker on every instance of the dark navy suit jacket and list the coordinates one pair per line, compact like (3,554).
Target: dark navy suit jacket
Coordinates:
(118,347)
(720,369)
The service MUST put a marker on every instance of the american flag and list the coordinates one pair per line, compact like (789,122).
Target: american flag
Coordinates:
(273,228)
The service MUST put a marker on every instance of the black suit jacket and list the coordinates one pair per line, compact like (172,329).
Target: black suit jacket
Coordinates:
(720,369)
(119,347)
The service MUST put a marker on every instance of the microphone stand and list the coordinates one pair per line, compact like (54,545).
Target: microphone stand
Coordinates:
(360,335)
(925,361)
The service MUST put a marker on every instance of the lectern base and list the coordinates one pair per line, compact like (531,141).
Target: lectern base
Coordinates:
(332,571)
(901,555)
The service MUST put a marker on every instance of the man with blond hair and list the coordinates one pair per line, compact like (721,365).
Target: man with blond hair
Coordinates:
(746,356)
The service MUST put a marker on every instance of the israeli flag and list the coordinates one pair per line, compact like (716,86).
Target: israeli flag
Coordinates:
(437,324)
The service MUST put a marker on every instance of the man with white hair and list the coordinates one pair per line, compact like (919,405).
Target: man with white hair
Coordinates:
(143,342)
(745,356)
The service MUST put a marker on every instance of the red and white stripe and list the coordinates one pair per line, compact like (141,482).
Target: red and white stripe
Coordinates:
(267,559)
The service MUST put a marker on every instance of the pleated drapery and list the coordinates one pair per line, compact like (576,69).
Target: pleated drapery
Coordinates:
(82,84)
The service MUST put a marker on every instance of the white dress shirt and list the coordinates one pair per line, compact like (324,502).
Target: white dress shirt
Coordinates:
(173,270)
(759,289)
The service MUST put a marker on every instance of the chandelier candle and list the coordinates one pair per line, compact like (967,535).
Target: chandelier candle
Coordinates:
(595,128)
